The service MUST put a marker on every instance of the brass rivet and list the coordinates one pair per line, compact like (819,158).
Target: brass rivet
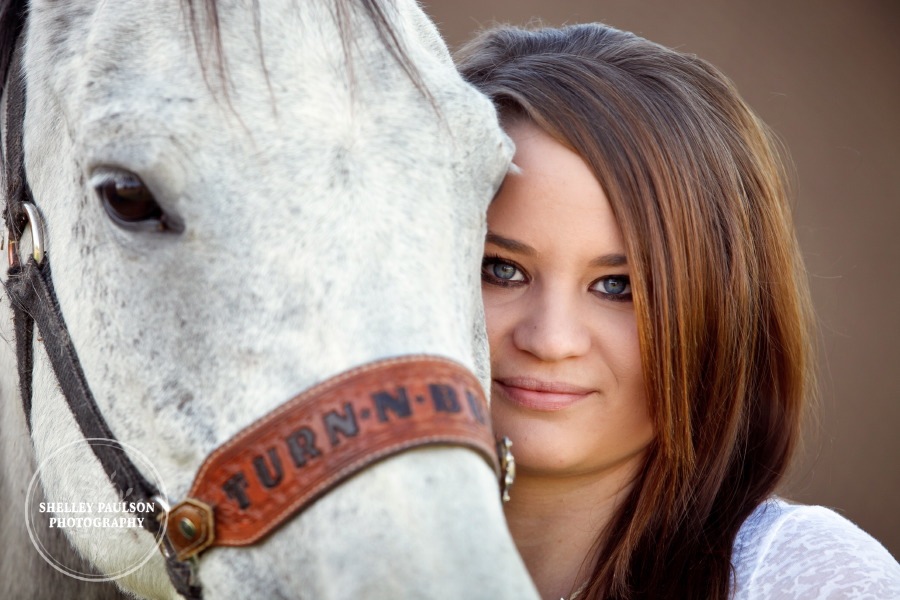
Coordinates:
(188,528)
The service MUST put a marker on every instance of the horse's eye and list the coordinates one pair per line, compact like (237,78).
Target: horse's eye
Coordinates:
(129,203)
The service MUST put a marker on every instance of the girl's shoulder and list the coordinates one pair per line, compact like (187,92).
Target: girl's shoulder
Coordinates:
(793,552)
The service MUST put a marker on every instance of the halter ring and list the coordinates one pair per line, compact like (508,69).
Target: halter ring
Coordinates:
(36,223)
(37,231)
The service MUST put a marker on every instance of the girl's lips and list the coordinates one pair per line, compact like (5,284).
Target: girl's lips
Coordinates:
(540,395)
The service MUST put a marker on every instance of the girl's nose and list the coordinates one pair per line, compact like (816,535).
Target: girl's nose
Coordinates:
(553,327)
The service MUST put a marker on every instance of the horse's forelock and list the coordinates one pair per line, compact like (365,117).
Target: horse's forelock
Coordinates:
(373,9)
(388,35)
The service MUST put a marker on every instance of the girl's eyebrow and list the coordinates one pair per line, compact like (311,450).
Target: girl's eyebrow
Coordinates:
(606,260)
(610,260)
(510,244)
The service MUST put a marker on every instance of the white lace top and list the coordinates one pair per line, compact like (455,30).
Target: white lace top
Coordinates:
(797,552)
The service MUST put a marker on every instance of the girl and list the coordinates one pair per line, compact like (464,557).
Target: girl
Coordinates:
(649,322)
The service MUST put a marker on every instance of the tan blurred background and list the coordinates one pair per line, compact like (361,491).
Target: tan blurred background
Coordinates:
(825,74)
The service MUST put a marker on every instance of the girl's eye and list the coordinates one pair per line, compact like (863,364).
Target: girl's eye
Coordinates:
(500,272)
(613,287)
(505,271)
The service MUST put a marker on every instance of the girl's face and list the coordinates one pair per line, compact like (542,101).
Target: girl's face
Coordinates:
(567,386)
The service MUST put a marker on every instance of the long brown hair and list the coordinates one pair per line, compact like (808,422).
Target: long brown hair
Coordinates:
(720,291)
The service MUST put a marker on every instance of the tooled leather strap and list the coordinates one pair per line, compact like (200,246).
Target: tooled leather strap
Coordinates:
(280,464)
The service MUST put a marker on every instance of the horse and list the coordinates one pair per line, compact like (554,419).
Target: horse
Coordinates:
(240,201)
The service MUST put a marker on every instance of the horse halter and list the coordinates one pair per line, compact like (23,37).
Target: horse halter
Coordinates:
(275,467)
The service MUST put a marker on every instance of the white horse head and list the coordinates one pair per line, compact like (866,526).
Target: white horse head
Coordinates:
(315,206)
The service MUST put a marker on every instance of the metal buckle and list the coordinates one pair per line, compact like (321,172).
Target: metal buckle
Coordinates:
(36,223)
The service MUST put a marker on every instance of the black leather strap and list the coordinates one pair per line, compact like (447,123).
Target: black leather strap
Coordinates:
(17,192)
(32,292)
